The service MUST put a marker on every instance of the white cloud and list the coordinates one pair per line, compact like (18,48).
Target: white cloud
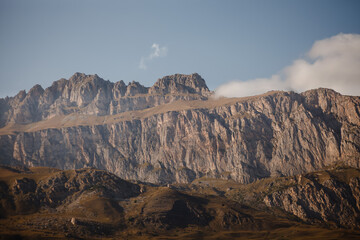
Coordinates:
(157,52)
(142,63)
(331,63)
(250,88)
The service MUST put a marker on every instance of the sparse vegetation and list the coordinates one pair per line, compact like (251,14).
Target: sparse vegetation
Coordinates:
(207,208)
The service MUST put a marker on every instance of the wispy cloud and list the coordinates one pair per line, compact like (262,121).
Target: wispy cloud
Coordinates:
(331,63)
(156,52)
(142,64)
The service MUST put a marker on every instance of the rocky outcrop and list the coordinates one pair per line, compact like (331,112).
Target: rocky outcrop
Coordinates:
(312,200)
(90,94)
(180,83)
(88,204)
(174,132)
(24,195)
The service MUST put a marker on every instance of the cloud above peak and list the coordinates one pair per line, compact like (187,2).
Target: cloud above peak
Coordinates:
(156,52)
(331,63)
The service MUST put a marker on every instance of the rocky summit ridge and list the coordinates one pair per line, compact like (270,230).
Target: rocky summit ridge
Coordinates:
(90,94)
(175,131)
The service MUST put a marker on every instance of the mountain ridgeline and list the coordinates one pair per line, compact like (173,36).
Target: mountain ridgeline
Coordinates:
(176,131)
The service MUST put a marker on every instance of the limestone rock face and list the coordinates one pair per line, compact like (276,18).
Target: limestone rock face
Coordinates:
(176,132)
(180,83)
(90,94)
(328,201)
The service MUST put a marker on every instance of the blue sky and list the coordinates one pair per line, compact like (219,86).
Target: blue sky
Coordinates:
(43,41)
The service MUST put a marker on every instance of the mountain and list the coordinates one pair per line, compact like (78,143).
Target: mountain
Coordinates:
(48,203)
(176,131)
(91,95)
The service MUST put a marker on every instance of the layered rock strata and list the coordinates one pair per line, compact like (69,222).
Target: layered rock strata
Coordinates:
(176,132)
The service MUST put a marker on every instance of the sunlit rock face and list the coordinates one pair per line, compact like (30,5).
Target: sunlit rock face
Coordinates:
(175,131)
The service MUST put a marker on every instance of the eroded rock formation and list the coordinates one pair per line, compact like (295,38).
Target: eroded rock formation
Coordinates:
(176,132)
(316,200)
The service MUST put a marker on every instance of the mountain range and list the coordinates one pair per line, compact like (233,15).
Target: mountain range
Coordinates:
(87,158)
(176,131)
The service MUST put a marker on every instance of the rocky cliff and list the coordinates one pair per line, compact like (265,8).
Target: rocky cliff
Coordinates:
(175,131)
(329,196)
(92,95)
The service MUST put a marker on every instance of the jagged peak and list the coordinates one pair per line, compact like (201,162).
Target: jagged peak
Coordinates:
(185,79)
(323,91)
(180,83)
(82,77)
(36,90)
(21,95)
(57,84)
(135,88)
(121,82)
(135,83)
